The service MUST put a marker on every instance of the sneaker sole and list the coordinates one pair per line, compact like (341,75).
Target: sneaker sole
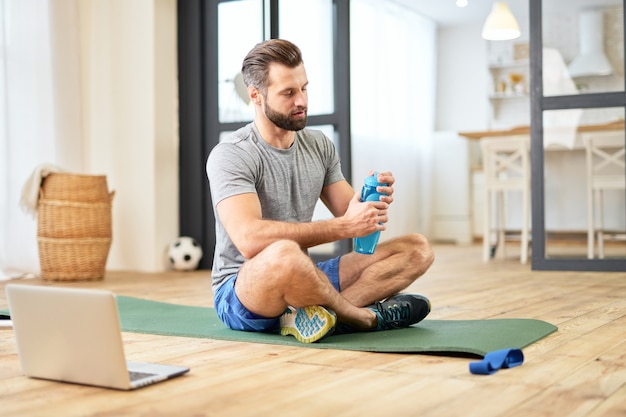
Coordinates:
(308,324)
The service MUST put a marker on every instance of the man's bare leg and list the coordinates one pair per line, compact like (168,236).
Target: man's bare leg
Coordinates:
(395,265)
(282,275)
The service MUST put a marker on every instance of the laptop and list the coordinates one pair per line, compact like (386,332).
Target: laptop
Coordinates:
(73,335)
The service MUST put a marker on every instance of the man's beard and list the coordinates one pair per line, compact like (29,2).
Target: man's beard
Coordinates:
(285,121)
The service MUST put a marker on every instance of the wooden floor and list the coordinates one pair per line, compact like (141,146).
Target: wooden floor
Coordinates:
(578,371)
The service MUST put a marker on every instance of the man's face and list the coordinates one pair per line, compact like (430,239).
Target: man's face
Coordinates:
(285,103)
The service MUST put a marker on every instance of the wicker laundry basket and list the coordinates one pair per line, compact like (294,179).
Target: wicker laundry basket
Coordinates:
(74,228)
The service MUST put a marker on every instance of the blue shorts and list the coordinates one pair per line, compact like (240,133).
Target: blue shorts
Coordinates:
(237,317)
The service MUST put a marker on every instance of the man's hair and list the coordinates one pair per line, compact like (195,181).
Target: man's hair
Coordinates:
(255,66)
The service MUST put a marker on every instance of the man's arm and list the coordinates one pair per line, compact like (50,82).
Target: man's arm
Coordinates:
(337,197)
(241,216)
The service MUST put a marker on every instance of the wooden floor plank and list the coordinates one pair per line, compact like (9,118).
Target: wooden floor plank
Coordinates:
(613,406)
(582,389)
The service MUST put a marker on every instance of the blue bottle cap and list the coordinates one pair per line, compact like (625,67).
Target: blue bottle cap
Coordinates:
(372,181)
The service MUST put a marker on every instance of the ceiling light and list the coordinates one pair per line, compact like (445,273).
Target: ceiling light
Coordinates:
(500,24)
(461,3)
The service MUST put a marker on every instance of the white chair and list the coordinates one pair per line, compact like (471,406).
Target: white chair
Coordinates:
(506,168)
(605,171)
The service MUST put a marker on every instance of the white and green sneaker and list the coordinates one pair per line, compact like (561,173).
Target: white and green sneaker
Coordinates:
(307,324)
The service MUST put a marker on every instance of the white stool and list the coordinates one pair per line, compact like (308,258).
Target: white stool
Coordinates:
(506,168)
(605,171)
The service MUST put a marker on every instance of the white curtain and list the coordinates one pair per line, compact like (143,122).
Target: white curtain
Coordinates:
(393,82)
(40,117)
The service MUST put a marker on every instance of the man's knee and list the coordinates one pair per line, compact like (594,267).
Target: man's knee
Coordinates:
(284,255)
(419,248)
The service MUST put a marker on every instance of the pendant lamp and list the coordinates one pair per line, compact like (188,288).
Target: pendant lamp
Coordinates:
(500,25)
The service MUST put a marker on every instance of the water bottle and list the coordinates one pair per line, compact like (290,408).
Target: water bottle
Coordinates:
(367,244)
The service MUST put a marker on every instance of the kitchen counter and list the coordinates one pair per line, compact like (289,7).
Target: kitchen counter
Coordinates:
(525,130)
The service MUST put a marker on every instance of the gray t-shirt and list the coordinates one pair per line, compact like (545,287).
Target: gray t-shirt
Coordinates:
(288,182)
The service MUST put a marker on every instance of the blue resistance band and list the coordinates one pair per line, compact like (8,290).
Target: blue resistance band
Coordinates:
(493,361)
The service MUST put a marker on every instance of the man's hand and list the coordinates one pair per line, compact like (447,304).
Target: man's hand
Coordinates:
(364,218)
(389,179)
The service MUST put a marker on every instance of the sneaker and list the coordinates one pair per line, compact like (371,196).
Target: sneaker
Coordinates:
(400,311)
(308,324)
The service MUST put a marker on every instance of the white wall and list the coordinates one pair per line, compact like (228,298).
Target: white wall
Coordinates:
(462,79)
(130,129)
(462,105)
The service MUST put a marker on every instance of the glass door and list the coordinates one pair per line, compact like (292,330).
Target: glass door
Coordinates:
(577,135)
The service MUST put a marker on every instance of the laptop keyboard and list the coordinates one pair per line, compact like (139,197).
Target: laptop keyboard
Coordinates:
(134,376)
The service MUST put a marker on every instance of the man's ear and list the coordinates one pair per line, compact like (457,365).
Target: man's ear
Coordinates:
(255,95)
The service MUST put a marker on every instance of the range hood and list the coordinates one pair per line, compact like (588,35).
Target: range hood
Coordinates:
(591,60)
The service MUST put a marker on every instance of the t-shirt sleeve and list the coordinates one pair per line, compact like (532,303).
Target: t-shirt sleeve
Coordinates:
(333,165)
(230,172)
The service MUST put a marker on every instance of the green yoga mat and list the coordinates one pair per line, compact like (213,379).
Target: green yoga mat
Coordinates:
(470,337)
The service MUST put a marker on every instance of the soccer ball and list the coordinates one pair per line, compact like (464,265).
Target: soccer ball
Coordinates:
(184,253)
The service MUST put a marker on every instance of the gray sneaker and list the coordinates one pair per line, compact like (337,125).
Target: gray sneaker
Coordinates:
(401,311)
(308,324)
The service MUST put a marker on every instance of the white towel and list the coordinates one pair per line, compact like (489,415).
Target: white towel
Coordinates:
(30,190)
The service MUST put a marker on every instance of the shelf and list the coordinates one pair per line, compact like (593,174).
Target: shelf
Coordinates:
(507,96)
(508,100)
(510,65)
